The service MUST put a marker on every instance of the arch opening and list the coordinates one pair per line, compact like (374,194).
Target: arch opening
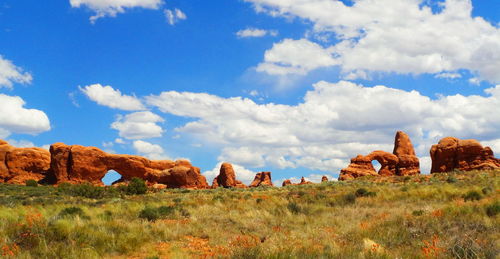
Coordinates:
(110,177)
(376,164)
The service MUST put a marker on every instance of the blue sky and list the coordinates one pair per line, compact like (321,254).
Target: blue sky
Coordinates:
(295,87)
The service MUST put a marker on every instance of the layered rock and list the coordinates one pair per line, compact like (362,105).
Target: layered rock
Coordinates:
(78,164)
(466,155)
(20,164)
(227,178)
(324,179)
(402,161)
(262,179)
(287,183)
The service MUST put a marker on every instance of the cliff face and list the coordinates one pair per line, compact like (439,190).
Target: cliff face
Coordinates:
(79,164)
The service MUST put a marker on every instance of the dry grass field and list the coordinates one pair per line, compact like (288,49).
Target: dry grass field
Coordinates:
(453,215)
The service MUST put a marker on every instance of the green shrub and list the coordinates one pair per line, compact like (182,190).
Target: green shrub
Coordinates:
(349,198)
(151,214)
(294,208)
(31,183)
(73,212)
(136,186)
(472,196)
(418,213)
(451,179)
(362,192)
(487,190)
(82,190)
(493,209)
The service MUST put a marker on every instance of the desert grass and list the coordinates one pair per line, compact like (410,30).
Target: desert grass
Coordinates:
(401,217)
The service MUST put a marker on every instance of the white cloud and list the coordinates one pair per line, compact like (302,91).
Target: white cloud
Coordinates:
(21,143)
(10,74)
(295,57)
(138,125)
(14,118)
(448,75)
(107,96)
(404,36)
(255,33)
(151,151)
(242,174)
(111,8)
(335,122)
(119,141)
(174,16)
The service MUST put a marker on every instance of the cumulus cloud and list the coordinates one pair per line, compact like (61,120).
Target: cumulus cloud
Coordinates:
(111,8)
(138,125)
(255,33)
(405,37)
(10,74)
(107,96)
(242,174)
(295,57)
(149,150)
(333,123)
(174,16)
(20,143)
(14,118)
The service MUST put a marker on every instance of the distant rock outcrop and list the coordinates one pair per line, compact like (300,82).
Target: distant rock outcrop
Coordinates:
(262,179)
(20,164)
(79,164)
(324,179)
(302,182)
(227,178)
(402,161)
(466,155)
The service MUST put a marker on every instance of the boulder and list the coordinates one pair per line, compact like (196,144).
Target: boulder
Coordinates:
(287,182)
(20,164)
(262,179)
(466,155)
(324,179)
(402,161)
(227,178)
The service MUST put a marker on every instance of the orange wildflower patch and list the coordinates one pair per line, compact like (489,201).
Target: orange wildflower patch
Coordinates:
(10,250)
(244,241)
(431,248)
(201,248)
(437,213)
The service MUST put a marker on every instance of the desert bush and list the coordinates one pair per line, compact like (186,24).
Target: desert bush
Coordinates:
(493,209)
(73,212)
(31,183)
(362,192)
(472,196)
(418,213)
(487,190)
(349,198)
(294,208)
(136,186)
(451,179)
(153,214)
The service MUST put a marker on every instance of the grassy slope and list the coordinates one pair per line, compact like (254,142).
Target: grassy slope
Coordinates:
(405,219)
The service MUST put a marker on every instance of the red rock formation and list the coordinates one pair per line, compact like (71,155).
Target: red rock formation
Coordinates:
(227,178)
(303,181)
(324,178)
(466,155)
(403,161)
(408,162)
(262,179)
(287,182)
(20,164)
(78,164)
